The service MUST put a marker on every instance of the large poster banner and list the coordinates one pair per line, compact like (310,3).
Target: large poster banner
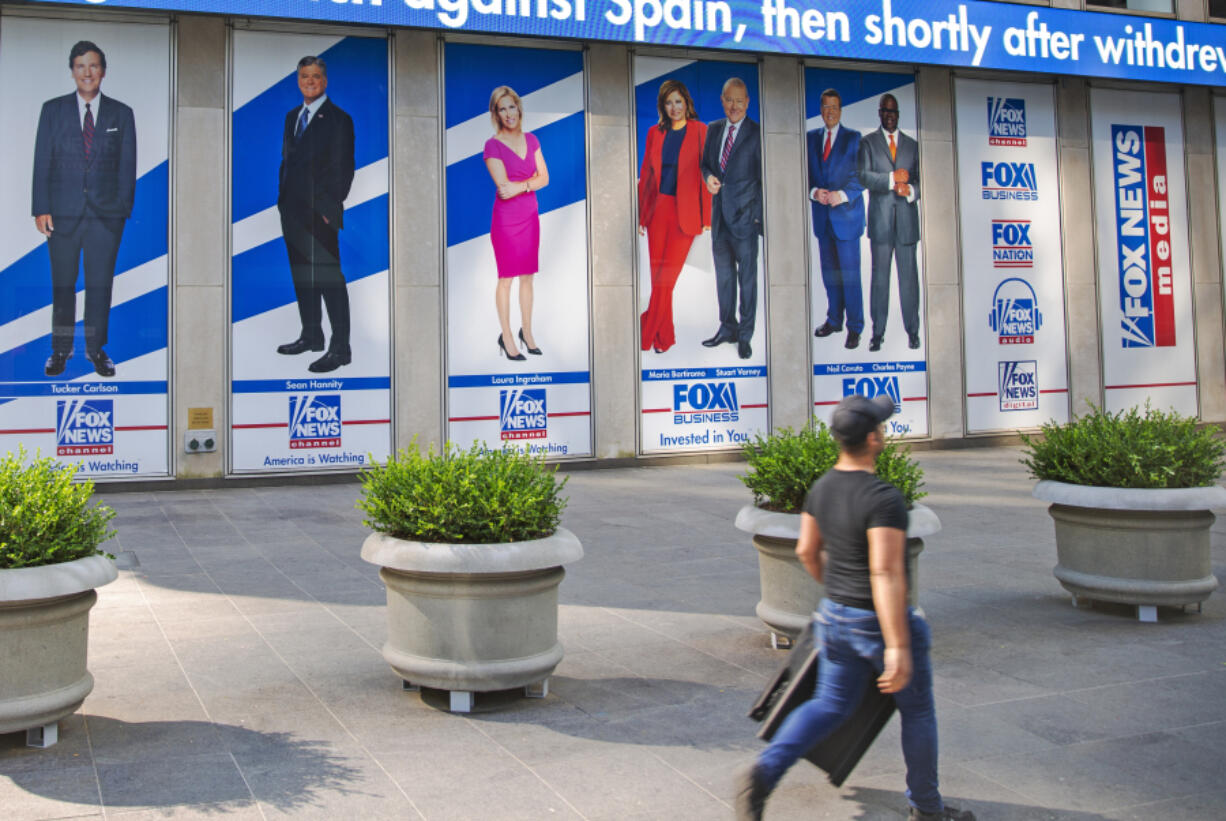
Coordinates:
(518,358)
(1144,273)
(702,326)
(310,353)
(866,278)
(1012,265)
(1219,117)
(83,259)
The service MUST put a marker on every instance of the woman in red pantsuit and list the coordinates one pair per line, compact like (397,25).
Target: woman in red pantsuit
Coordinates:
(674,205)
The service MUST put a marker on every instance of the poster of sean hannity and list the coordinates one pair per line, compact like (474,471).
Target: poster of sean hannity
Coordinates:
(518,356)
(84,224)
(1144,273)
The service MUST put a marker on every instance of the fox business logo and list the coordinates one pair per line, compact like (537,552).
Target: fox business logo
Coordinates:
(872,386)
(1009,181)
(705,402)
(1011,246)
(315,420)
(84,427)
(522,413)
(1015,315)
(1007,121)
(1019,385)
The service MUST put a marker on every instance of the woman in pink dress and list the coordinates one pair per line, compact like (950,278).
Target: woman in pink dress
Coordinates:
(517,166)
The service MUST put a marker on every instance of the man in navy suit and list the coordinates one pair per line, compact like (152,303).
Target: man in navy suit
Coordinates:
(838,218)
(732,168)
(84,185)
(314,180)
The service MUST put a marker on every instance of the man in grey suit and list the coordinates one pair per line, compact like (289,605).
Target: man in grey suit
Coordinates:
(732,169)
(888,165)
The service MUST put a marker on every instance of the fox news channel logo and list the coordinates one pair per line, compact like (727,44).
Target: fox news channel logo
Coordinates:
(1019,385)
(314,420)
(522,413)
(1009,181)
(1015,315)
(1143,232)
(1011,246)
(1007,121)
(84,427)
(872,386)
(705,402)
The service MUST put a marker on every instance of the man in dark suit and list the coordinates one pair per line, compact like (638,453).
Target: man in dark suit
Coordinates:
(838,218)
(316,172)
(84,184)
(888,164)
(732,168)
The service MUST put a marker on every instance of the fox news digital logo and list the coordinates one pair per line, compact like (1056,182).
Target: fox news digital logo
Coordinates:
(1009,181)
(872,386)
(84,427)
(705,402)
(1019,385)
(522,414)
(1015,315)
(1011,247)
(1007,121)
(315,420)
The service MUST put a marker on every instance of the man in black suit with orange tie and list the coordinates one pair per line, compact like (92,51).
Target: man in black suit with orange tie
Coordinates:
(84,185)
(316,173)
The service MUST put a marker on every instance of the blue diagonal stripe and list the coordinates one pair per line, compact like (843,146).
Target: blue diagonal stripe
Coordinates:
(473,72)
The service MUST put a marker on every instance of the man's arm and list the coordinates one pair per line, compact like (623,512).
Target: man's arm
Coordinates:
(338,178)
(809,547)
(850,186)
(709,164)
(888,578)
(880,182)
(40,200)
(126,181)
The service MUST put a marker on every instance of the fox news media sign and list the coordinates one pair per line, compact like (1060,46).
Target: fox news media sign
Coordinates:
(1013,277)
(84,427)
(1144,271)
(523,414)
(688,409)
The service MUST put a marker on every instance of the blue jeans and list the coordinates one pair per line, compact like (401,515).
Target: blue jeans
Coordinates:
(852,652)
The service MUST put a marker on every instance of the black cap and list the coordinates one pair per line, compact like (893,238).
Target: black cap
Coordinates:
(857,416)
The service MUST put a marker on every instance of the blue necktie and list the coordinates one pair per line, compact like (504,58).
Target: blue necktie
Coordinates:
(302,124)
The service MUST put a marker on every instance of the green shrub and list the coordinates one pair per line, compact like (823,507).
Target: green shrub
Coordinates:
(785,464)
(1133,448)
(46,518)
(474,496)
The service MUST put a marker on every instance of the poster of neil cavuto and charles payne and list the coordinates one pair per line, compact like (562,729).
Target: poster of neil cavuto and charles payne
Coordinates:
(866,275)
(311,359)
(702,323)
(518,360)
(83,243)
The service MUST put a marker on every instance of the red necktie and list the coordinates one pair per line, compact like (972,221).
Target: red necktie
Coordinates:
(826,152)
(87,132)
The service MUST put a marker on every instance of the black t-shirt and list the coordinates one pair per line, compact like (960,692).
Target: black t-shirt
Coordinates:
(846,503)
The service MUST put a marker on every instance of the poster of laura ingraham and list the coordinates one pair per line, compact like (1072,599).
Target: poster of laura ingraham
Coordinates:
(84,219)
(702,323)
(866,275)
(311,364)
(518,360)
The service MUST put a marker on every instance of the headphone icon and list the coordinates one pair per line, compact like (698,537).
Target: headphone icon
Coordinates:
(1001,305)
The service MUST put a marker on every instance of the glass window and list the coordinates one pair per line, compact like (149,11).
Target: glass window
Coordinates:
(1136,5)
(1217,8)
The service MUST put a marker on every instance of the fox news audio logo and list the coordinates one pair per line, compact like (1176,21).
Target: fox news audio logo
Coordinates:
(1009,181)
(522,414)
(84,427)
(1015,315)
(1143,233)
(1019,385)
(1011,247)
(705,402)
(315,420)
(1007,121)
(872,386)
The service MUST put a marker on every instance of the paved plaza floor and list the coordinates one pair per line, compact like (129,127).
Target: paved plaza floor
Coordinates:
(239,673)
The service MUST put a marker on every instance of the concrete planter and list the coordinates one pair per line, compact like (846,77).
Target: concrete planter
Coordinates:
(1133,546)
(789,593)
(44,632)
(471,618)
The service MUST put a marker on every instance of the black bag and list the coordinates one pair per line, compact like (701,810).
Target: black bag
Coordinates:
(794,684)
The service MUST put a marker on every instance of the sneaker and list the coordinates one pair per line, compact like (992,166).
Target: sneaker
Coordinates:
(750,795)
(947,814)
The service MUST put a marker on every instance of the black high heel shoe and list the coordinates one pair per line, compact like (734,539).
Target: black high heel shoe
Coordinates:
(502,348)
(533,351)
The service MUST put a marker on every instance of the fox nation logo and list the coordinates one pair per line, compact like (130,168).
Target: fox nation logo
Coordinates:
(1009,181)
(522,413)
(1007,121)
(705,402)
(1011,246)
(872,386)
(1019,385)
(1015,315)
(314,420)
(84,427)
